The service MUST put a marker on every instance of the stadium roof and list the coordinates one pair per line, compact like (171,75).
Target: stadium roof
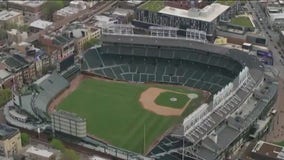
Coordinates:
(207,14)
(47,87)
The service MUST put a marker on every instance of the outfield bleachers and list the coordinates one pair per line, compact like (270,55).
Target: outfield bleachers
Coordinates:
(165,65)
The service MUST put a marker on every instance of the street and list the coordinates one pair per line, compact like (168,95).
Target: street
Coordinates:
(276,133)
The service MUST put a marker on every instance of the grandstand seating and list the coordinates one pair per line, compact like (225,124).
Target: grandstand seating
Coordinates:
(182,66)
(70,72)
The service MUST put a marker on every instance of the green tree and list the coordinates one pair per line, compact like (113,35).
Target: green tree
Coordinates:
(22,28)
(25,138)
(57,144)
(3,34)
(52,6)
(70,154)
(90,43)
(5,96)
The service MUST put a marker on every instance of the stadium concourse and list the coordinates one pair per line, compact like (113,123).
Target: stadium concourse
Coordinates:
(243,94)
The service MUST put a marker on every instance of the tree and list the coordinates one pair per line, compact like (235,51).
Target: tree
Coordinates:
(25,138)
(52,6)
(5,96)
(3,34)
(68,154)
(57,144)
(22,28)
(90,43)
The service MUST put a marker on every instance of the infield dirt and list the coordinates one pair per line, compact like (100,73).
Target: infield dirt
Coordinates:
(147,100)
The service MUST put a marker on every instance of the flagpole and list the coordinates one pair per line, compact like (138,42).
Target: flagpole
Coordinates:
(144,137)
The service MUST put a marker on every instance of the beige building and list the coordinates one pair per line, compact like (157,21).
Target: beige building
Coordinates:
(10,141)
(82,34)
(32,9)
(74,8)
(16,36)
(11,17)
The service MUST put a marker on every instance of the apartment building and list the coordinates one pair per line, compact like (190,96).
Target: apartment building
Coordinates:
(10,141)
(11,17)
(71,10)
(31,9)
(81,34)
(58,46)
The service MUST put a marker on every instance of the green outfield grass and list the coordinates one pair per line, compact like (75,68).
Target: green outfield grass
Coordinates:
(114,114)
(226,2)
(242,21)
(153,5)
(164,99)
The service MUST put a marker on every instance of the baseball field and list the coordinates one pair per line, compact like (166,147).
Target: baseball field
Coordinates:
(118,114)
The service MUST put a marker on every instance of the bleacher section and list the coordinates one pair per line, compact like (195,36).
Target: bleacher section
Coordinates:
(43,91)
(167,146)
(71,72)
(184,66)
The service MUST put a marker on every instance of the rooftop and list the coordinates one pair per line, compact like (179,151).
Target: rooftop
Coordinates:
(30,3)
(153,5)
(7,131)
(40,152)
(41,24)
(61,40)
(122,12)
(5,15)
(226,2)
(268,150)
(135,2)
(242,21)
(275,16)
(207,14)
(282,32)
(16,62)
(4,74)
(73,8)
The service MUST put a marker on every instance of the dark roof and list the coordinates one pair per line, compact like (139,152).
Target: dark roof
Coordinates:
(268,150)
(6,132)
(16,62)
(61,40)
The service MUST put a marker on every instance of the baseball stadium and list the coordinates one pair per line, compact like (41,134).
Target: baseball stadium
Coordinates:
(164,99)
(140,89)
